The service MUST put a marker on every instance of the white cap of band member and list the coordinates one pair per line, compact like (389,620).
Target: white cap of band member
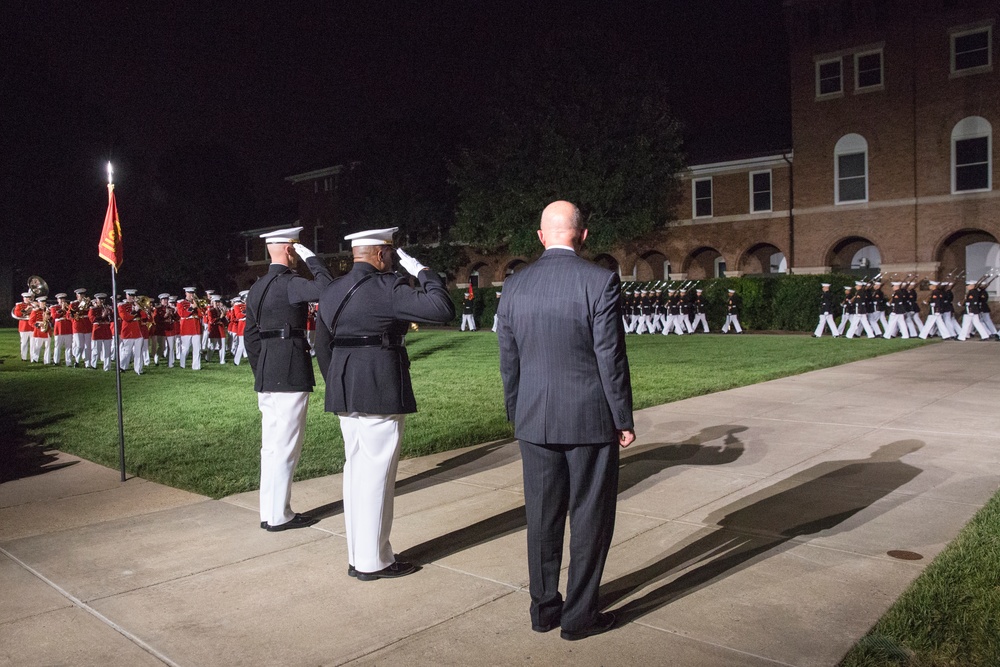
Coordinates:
(26,294)
(61,295)
(210,291)
(245,292)
(165,295)
(40,298)
(372,237)
(100,295)
(80,290)
(290,235)
(172,299)
(130,292)
(216,297)
(190,289)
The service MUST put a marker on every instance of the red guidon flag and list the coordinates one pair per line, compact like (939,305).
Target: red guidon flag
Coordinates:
(472,295)
(110,248)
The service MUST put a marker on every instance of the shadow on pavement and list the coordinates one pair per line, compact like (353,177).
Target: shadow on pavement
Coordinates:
(761,524)
(22,455)
(648,461)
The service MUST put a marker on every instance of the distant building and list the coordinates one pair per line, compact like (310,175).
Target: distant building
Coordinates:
(890,168)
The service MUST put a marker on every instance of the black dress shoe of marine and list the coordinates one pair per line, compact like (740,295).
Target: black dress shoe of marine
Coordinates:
(298,521)
(397,569)
(551,625)
(351,572)
(263,524)
(603,623)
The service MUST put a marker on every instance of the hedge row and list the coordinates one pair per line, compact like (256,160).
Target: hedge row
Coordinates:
(780,303)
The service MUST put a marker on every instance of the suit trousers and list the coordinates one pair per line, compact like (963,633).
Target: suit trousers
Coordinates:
(283,428)
(371,455)
(581,480)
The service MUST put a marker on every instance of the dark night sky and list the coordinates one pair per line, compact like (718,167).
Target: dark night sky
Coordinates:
(284,87)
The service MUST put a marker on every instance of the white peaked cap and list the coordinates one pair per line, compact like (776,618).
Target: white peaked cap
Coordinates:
(165,295)
(824,284)
(61,295)
(372,237)
(896,284)
(80,290)
(970,282)
(40,298)
(210,291)
(934,282)
(100,295)
(130,292)
(731,291)
(190,289)
(216,297)
(25,293)
(289,235)
(245,292)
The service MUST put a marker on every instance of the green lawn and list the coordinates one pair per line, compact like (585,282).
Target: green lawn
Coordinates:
(201,430)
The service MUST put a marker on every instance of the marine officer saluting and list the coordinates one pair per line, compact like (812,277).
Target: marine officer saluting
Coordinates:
(282,369)
(365,315)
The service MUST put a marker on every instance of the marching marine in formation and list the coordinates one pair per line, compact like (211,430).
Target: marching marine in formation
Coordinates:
(22,313)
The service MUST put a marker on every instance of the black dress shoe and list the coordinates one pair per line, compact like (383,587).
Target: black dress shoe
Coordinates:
(351,572)
(603,623)
(298,521)
(552,625)
(397,569)
(263,524)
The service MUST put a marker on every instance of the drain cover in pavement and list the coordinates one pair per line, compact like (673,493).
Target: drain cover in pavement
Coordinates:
(904,555)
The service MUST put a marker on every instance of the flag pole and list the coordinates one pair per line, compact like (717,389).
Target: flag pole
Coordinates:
(118,353)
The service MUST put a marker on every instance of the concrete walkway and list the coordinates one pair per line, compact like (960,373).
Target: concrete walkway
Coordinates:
(758,526)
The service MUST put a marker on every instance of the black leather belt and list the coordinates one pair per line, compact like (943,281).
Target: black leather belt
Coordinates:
(385,340)
(282,333)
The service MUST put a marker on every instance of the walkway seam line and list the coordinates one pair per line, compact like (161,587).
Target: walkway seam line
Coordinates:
(90,610)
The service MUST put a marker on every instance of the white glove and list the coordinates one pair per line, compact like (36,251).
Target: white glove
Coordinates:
(302,251)
(412,266)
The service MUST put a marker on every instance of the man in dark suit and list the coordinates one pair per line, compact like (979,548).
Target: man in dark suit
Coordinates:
(365,315)
(275,340)
(568,392)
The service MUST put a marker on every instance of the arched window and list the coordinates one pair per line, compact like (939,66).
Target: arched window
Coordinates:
(850,168)
(971,148)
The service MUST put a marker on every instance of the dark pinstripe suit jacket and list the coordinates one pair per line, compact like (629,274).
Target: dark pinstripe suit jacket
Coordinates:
(562,352)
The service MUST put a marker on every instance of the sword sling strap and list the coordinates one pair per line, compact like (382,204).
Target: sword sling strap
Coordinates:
(340,309)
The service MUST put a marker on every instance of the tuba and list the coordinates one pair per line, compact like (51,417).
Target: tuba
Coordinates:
(38,287)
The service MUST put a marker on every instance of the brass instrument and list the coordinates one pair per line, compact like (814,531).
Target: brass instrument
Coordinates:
(80,307)
(46,322)
(38,287)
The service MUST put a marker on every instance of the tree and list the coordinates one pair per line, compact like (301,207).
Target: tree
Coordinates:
(574,121)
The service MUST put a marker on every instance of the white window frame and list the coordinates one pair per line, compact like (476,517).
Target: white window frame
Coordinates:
(849,144)
(770,191)
(858,88)
(721,259)
(972,127)
(836,93)
(694,197)
(968,30)
(317,233)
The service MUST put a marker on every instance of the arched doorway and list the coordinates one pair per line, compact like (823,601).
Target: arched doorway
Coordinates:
(477,277)
(652,265)
(763,259)
(705,263)
(608,262)
(513,267)
(969,255)
(855,255)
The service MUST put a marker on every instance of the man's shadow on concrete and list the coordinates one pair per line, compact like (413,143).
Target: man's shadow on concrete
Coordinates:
(486,457)
(761,525)
(23,455)
(648,461)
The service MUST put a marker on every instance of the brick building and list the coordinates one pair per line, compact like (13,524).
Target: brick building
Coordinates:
(890,168)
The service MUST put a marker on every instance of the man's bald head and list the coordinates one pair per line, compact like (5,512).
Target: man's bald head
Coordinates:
(282,253)
(561,225)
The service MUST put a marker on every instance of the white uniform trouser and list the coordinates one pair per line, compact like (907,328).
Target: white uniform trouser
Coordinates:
(496,320)
(675,324)
(988,323)
(168,345)
(25,345)
(826,320)
(627,323)
(688,323)
(41,349)
(970,320)
(219,344)
(935,321)
(241,350)
(282,428)
(131,352)
(700,317)
(732,321)
(896,321)
(63,343)
(468,322)
(81,348)
(641,324)
(192,344)
(914,323)
(873,323)
(951,323)
(371,447)
(859,320)
(101,349)
(633,323)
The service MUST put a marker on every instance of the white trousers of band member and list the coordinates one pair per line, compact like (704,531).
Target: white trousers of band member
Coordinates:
(191,344)
(970,320)
(988,323)
(371,448)
(241,350)
(131,353)
(62,343)
(168,348)
(41,349)
(219,345)
(732,321)
(144,348)
(935,321)
(468,322)
(282,429)
(700,317)
(896,321)
(859,320)
(101,349)
(25,345)
(81,348)
(826,320)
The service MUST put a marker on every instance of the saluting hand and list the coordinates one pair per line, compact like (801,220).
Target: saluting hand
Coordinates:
(302,251)
(412,266)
